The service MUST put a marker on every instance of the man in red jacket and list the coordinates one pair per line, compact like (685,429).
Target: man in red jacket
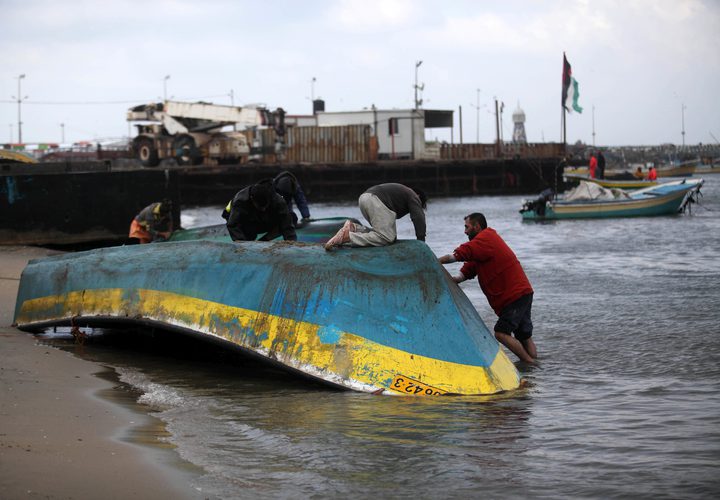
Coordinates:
(503,282)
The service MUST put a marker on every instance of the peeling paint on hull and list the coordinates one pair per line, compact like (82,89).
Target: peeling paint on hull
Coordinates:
(373,319)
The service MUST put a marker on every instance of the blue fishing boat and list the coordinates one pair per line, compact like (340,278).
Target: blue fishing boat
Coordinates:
(589,200)
(381,320)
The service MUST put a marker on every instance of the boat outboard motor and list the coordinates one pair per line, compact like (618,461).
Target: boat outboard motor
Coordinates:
(539,204)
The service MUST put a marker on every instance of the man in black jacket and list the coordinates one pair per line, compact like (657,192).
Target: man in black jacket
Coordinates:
(287,186)
(258,209)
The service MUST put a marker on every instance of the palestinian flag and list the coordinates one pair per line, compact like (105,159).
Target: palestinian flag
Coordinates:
(570,91)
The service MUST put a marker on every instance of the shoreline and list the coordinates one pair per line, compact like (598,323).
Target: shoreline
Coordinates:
(64,429)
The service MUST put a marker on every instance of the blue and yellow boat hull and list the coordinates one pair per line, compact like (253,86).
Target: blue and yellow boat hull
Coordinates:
(384,320)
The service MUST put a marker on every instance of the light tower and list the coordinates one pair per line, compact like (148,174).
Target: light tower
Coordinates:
(518,118)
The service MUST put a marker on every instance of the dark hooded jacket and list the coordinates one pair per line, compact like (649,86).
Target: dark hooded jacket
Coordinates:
(287,186)
(245,221)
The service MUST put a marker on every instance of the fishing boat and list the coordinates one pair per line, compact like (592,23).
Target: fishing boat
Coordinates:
(386,320)
(9,156)
(708,166)
(589,200)
(684,169)
(612,183)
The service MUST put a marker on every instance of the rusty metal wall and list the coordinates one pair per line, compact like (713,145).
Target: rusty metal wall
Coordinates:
(336,144)
(467,151)
(493,151)
(64,203)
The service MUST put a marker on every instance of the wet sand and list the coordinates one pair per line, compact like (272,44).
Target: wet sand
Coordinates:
(58,438)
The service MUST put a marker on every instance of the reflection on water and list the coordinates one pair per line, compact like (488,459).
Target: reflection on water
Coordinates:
(625,401)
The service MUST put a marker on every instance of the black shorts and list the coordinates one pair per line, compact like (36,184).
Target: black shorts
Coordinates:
(515,318)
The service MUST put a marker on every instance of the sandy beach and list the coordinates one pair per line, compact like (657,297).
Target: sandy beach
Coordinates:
(58,438)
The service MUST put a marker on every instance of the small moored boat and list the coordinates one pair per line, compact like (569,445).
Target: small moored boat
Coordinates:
(589,200)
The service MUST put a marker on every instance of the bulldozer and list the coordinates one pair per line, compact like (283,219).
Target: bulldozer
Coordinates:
(194,133)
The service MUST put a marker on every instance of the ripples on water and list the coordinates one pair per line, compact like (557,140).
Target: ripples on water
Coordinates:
(625,402)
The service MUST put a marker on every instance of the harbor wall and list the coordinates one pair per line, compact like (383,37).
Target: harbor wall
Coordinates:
(335,182)
(93,202)
(65,203)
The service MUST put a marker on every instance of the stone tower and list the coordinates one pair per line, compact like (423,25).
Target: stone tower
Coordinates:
(518,118)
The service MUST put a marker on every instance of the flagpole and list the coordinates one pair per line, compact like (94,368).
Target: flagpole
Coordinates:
(562,103)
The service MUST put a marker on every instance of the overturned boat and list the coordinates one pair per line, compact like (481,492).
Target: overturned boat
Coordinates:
(380,320)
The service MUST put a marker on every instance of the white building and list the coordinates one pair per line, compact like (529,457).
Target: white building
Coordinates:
(400,132)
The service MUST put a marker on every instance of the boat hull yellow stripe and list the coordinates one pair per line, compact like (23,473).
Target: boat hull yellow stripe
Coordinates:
(350,360)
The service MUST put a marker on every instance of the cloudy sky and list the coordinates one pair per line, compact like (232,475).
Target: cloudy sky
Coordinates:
(641,64)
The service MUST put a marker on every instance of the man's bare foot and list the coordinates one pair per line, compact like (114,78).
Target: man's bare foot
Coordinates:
(342,236)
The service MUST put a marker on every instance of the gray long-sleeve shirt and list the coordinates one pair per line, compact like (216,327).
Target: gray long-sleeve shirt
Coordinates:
(402,200)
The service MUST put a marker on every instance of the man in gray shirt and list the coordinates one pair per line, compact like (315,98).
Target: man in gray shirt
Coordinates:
(381,206)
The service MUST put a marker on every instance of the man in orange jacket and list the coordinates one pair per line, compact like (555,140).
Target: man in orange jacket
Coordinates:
(652,173)
(153,223)
(593,166)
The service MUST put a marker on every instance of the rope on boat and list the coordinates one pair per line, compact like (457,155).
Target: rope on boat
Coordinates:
(692,197)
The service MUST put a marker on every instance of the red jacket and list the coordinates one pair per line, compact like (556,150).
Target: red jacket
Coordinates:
(498,270)
(593,166)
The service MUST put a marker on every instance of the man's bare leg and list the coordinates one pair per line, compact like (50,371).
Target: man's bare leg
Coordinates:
(530,348)
(514,345)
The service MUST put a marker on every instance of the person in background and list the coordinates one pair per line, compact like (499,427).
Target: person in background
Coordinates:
(652,173)
(153,223)
(258,209)
(639,174)
(600,165)
(502,280)
(592,166)
(287,186)
(381,206)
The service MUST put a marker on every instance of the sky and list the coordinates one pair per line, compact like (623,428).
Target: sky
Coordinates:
(646,69)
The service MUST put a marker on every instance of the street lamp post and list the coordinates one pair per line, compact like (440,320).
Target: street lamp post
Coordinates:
(417,87)
(19,102)
(167,77)
(682,109)
(62,133)
(477,119)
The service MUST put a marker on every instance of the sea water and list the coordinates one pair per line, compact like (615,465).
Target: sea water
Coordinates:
(625,401)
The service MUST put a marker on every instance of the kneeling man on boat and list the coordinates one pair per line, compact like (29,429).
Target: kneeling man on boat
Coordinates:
(381,206)
(258,209)
(502,280)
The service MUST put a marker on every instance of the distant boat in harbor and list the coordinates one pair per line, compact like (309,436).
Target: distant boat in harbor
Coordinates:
(684,169)
(613,183)
(707,166)
(591,201)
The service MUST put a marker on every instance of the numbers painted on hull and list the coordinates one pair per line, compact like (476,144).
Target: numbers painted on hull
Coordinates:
(406,385)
